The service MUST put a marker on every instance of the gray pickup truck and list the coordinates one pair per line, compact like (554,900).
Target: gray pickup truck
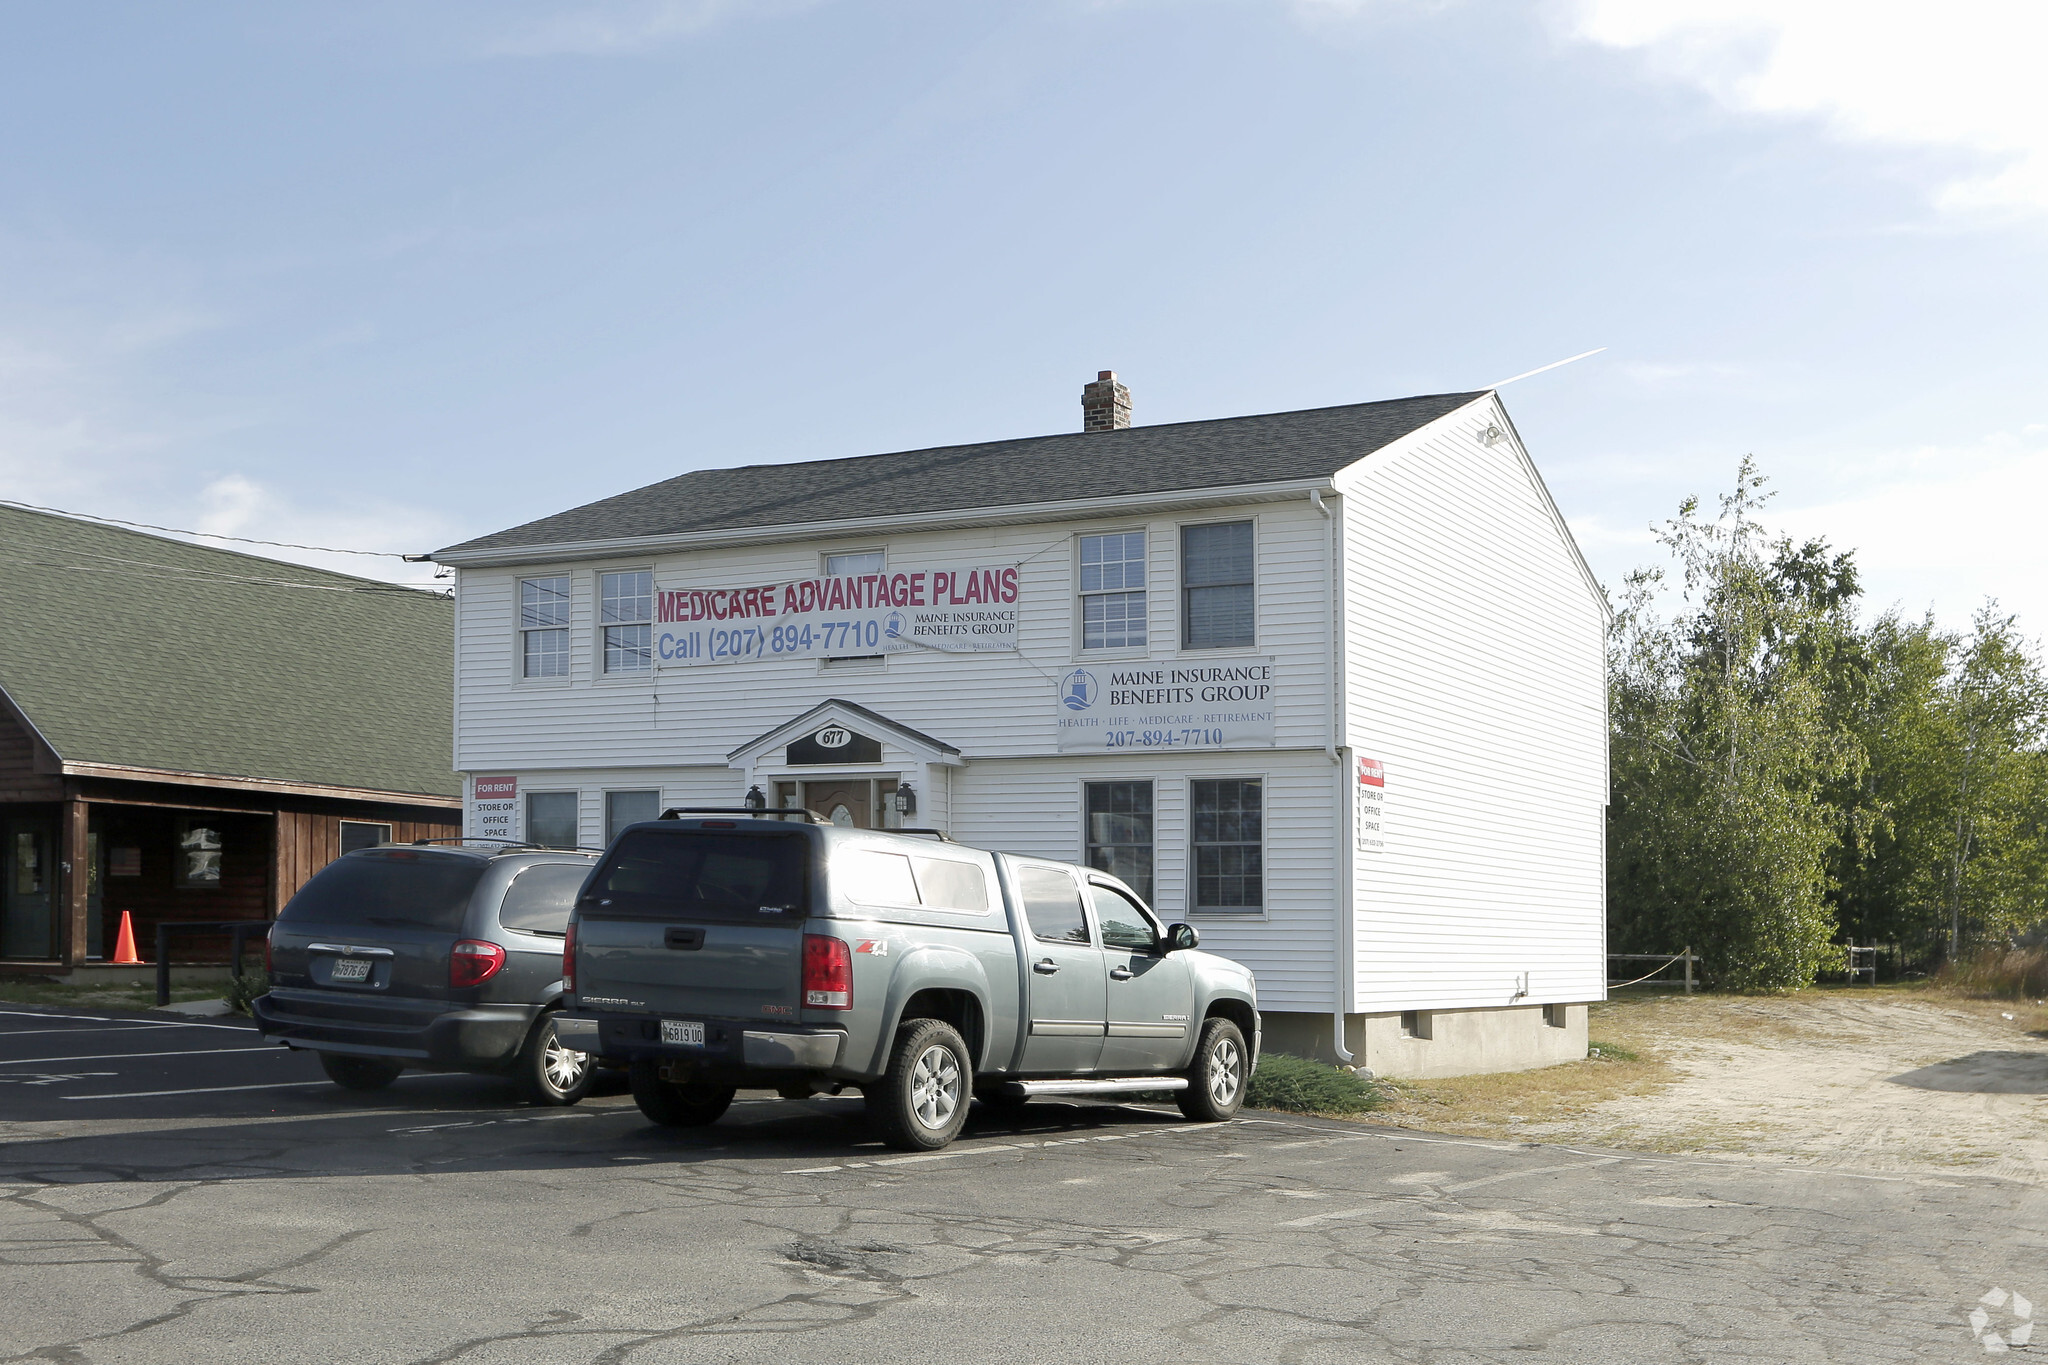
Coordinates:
(711,951)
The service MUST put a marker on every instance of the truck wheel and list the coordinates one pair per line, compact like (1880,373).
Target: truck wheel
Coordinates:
(677,1106)
(359,1073)
(921,1100)
(1216,1080)
(548,1073)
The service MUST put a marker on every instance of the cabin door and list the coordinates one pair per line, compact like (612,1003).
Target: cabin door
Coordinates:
(28,893)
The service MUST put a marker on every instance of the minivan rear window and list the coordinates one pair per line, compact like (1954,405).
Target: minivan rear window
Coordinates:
(398,889)
(540,898)
(756,878)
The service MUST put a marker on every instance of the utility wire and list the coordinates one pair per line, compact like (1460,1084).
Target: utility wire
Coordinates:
(136,570)
(215,535)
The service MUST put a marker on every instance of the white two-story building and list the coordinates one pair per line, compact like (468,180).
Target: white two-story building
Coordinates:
(1328,685)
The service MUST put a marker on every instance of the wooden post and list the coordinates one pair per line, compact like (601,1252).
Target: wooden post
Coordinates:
(1688,969)
(76,884)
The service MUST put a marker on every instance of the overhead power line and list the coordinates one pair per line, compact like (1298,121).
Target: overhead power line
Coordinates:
(213,535)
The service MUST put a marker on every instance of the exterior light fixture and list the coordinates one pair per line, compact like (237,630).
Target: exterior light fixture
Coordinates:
(905,799)
(755,800)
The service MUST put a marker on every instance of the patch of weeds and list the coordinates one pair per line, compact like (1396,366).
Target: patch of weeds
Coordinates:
(1306,1087)
(1611,1052)
(245,987)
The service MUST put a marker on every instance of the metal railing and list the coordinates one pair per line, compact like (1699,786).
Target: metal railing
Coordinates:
(240,931)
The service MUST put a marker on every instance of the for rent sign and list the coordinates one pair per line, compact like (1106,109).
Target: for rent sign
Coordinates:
(1220,704)
(956,611)
(493,801)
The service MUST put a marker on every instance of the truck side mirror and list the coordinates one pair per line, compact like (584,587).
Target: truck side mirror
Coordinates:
(1181,937)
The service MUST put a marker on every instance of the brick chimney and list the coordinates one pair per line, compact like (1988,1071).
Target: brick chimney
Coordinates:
(1105,404)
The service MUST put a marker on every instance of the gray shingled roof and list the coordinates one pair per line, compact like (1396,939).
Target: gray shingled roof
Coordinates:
(145,652)
(1269,448)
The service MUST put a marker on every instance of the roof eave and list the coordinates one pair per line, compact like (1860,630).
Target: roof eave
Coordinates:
(176,777)
(1015,514)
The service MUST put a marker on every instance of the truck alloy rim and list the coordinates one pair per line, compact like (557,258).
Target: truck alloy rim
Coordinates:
(1225,1064)
(564,1066)
(935,1086)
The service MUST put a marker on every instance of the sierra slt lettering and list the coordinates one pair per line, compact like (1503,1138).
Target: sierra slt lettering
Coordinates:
(1185,684)
(857,592)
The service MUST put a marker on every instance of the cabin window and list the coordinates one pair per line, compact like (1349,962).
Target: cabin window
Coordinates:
(1113,591)
(1229,845)
(357,834)
(626,610)
(1216,586)
(199,849)
(544,626)
(1120,833)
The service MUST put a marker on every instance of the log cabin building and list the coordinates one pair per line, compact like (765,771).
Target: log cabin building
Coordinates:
(189,734)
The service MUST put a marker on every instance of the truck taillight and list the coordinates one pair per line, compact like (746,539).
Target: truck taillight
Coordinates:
(471,962)
(569,959)
(828,973)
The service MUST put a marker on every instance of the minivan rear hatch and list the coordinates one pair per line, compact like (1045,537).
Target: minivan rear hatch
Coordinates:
(693,921)
(378,923)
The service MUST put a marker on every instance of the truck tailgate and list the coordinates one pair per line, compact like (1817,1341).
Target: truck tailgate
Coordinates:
(679,968)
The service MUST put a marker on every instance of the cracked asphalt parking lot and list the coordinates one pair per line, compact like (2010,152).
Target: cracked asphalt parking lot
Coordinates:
(174,1192)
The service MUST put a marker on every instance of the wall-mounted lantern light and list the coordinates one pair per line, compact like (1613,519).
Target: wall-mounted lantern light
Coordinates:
(905,799)
(755,800)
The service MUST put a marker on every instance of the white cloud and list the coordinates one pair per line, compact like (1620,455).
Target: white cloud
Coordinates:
(1956,75)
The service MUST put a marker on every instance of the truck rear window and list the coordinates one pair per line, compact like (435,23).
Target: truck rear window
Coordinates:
(687,875)
(399,889)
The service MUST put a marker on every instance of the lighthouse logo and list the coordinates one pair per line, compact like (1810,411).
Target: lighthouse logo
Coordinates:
(1077,690)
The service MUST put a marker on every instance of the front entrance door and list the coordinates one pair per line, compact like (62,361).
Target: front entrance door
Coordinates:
(843,802)
(28,895)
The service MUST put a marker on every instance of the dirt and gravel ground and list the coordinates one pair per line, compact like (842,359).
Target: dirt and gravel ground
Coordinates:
(1878,1080)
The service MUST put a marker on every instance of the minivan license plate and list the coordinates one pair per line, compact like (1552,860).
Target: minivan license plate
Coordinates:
(684,1032)
(351,969)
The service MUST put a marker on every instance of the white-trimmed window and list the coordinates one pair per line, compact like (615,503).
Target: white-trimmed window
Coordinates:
(1119,840)
(544,627)
(626,610)
(628,808)
(853,565)
(1229,829)
(1217,599)
(551,819)
(1113,591)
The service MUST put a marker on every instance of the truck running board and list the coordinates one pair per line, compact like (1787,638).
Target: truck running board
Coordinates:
(1031,1089)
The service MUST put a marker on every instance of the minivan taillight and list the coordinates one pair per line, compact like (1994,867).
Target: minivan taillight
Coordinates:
(828,973)
(471,962)
(569,959)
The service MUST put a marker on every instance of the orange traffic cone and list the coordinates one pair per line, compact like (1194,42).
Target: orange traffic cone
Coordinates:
(124,943)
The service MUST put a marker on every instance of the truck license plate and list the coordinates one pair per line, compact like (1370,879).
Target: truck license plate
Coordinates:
(683,1032)
(351,969)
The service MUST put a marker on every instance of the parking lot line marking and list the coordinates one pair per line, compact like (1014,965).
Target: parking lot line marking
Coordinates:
(115,1019)
(204,1090)
(1331,1217)
(1533,1170)
(123,1056)
(999,1147)
(124,1028)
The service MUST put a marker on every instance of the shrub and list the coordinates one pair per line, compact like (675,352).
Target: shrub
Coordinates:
(2009,973)
(244,987)
(1306,1087)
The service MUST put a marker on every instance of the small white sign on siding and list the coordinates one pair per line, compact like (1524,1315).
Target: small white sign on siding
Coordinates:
(1156,707)
(1369,801)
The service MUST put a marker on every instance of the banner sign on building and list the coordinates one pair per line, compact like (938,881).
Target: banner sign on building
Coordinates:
(955,611)
(493,802)
(1155,707)
(1368,808)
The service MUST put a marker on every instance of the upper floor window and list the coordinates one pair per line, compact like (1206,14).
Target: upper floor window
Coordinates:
(1113,591)
(544,626)
(627,612)
(1216,586)
(853,566)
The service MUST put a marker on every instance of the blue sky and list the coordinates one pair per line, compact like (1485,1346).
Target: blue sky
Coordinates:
(389,275)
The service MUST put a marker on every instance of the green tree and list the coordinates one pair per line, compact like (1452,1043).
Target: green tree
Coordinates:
(1728,742)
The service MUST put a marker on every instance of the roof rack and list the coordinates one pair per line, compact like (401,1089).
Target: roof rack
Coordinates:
(511,845)
(938,834)
(810,816)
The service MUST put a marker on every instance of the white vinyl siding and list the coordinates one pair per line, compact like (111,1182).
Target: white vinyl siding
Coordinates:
(1475,666)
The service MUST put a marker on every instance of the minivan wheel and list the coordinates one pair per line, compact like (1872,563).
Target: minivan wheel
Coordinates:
(1216,1081)
(920,1103)
(677,1106)
(547,1072)
(359,1073)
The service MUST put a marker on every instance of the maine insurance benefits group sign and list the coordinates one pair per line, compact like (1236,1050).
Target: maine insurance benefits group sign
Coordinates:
(957,611)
